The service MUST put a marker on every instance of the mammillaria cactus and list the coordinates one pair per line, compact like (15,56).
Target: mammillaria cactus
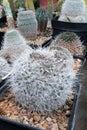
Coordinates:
(42,80)
(14,44)
(42,18)
(70,41)
(72,8)
(4,67)
(27,24)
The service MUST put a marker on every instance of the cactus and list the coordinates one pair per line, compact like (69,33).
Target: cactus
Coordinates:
(79,19)
(42,18)
(68,36)
(29,5)
(50,9)
(86,2)
(70,41)
(4,67)
(8,12)
(14,44)
(0,11)
(59,5)
(72,9)
(27,24)
(42,80)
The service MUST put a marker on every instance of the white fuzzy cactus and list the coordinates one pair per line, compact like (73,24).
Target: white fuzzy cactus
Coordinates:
(72,8)
(4,67)
(41,81)
(14,44)
(27,24)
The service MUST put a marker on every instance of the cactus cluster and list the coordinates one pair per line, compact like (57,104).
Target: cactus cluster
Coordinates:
(4,67)
(71,9)
(42,18)
(27,24)
(13,45)
(42,80)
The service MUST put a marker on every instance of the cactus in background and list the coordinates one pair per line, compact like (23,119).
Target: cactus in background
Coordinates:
(42,80)
(27,24)
(29,5)
(50,9)
(8,12)
(0,11)
(14,44)
(42,18)
(70,41)
(86,2)
(72,8)
(4,67)
(59,5)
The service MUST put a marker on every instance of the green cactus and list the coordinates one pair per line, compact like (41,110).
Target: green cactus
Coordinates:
(27,24)
(50,9)
(42,17)
(68,36)
(59,5)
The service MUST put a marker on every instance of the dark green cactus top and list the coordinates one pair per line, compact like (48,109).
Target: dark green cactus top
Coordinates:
(41,14)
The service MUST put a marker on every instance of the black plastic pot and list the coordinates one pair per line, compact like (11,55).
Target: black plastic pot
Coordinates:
(79,28)
(3,21)
(6,124)
(74,108)
(1,38)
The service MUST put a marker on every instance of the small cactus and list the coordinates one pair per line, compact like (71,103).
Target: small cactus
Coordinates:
(4,67)
(59,5)
(42,80)
(13,45)
(50,9)
(68,37)
(27,24)
(42,18)
(70,41)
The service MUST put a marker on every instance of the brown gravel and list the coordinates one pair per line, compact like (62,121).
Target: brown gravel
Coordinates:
(11,109)
(42,38)
(3,29)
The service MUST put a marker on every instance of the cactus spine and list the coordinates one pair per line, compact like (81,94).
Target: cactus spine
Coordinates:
(27,24)
(4,67)
(40,80)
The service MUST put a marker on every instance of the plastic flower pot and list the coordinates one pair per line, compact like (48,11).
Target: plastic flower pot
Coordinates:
(79,28)
(1,38)
(6,124)
(44,3)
